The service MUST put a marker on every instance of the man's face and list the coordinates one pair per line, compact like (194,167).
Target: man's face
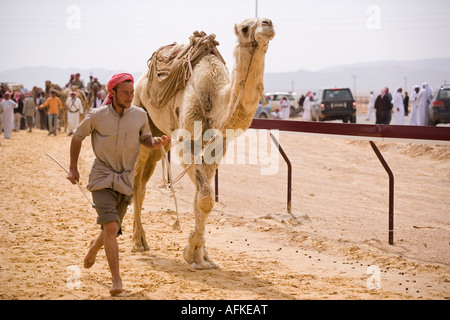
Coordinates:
(123,94)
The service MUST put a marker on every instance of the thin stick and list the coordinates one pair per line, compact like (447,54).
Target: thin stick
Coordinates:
(78,184)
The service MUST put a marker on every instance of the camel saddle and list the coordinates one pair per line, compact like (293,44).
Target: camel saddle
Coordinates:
(170,67)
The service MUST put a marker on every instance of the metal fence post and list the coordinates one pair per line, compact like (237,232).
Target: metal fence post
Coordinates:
(391,191)
(289,186)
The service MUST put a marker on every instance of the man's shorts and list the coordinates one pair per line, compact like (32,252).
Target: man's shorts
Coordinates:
(111,206)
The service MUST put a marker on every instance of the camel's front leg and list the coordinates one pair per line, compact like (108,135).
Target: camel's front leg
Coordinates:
(195,252)
(145,166)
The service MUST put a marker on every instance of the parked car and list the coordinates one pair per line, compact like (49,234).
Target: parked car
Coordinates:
(439,109)
(275,97)
(263,112)
(332,104)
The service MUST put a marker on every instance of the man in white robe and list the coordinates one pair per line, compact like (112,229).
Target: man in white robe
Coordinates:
(399,109)
(413,99)
(8,114)
(285,108)
(307,107)
(371,106)
(423,101)
(74,110)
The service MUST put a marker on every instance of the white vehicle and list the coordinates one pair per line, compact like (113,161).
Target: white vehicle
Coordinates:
(273,98)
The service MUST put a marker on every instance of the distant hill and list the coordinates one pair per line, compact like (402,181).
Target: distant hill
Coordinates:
(363,76)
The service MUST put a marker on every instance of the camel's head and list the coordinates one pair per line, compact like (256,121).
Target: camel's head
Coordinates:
(252,32)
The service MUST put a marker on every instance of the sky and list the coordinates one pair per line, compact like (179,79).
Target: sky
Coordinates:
(310,35)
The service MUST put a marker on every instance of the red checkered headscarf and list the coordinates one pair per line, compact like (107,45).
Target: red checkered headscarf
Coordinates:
(114,82)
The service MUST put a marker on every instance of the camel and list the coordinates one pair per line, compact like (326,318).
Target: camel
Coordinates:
(35,92)
(226,103)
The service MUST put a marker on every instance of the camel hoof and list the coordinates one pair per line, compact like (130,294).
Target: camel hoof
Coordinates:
(204,264)
(188,255)
(140,246)
(138,249)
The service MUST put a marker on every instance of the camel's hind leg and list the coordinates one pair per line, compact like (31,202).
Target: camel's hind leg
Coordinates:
(195,252)
(145,166)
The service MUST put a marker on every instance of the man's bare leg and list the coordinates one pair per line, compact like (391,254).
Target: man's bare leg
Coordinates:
(108,238)
(95,247)
(112,254)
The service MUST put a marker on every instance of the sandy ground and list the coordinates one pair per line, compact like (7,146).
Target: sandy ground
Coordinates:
(334,245)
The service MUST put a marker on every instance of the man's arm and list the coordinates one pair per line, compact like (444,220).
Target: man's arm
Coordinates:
(155,143)
(42,106)
(60,104)
(75,148)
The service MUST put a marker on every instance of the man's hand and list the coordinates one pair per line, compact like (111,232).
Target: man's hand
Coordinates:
(75,148)
(157,142)
(73,176)
(164,140)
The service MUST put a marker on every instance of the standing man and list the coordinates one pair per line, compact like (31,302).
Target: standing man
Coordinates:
(285,108)
(399,112)
(74,111)
(43,113)
(77,82)
(413,117)
(383,107)
(29,111)
(8,114)
(98,101)
(18,112)
(406,103)
(371,106)
(307,107)
(423,102)
(54,105)
(117,128)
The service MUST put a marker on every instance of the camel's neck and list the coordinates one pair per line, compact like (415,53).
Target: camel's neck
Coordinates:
(248,71)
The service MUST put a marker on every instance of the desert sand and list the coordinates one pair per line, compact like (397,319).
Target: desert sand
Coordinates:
(333,245)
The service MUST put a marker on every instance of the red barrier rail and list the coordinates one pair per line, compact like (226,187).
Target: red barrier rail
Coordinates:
(353,129)
(360,130)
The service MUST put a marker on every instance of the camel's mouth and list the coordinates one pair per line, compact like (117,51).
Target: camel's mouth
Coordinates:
(267,35)
(266,29)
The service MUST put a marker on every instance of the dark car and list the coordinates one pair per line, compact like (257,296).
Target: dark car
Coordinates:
(333,104)
(439,109)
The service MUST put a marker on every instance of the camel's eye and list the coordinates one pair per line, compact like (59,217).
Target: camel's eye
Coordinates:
(245,29)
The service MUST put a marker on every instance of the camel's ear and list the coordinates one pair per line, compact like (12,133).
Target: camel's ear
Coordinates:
(236,31)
